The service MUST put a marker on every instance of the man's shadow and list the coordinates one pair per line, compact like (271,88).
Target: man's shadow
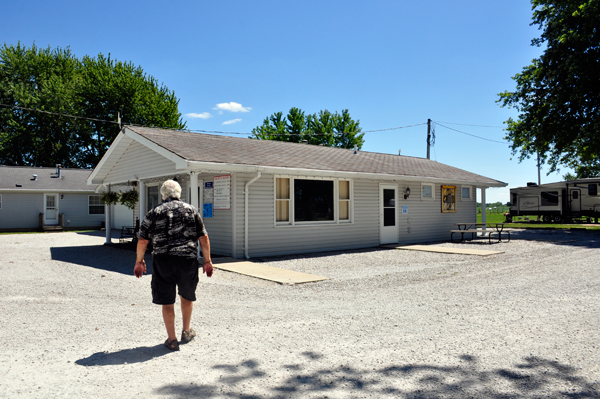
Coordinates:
(124,356)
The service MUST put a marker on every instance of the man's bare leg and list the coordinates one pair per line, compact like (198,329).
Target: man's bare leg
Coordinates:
(168,312)
(186,312)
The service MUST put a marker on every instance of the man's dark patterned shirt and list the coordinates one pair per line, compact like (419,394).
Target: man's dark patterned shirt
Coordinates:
(174,228)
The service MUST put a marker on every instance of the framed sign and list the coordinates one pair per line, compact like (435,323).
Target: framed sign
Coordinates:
(222,192)
(448,198)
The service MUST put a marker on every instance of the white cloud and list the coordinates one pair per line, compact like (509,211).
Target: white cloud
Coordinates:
(232,107)
(204,115)
(231,122)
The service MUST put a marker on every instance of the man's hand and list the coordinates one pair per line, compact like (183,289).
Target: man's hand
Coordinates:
(207,268)
(139,268)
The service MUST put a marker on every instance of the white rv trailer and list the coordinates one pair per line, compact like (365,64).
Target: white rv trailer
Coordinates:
(557,202)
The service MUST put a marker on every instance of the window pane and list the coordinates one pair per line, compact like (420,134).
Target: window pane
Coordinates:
(592,189)
(426,191)
(549,198)
(389,198)
(313,200)
(344,189)
(283,188)
(466,192)
(389,216)
(344,210)
(283,211)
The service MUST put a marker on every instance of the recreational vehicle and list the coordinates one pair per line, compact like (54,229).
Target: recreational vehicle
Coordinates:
(557,202)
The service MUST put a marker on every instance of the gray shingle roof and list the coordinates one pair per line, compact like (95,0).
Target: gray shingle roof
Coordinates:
(11,177)
(243,151)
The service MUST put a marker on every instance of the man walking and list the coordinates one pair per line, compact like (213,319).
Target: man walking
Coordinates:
(175,229)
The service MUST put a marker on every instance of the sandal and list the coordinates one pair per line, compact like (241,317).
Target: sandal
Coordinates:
(173,345)
(187,336)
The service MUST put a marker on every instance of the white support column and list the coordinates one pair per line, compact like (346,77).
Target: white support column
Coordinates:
(143,200)
(108,219)
(483,207)
(194,189)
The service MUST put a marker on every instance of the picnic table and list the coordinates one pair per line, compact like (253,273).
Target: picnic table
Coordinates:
(480,228)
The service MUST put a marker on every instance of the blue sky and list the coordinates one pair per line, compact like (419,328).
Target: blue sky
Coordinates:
(390,63)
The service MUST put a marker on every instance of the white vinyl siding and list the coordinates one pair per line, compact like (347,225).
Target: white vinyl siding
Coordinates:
(143,162)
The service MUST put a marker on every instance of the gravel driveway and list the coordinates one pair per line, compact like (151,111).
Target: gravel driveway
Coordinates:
(389,323)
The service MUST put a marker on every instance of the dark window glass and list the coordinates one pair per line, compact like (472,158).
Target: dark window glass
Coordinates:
(389,216)
(389,207)
(514,200)
(313,200)
(575,194)
(549,198)
(592,189)
(389,198)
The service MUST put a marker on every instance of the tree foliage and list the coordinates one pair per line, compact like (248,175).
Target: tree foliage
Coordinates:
(558,95)
(55,81)
(330,129)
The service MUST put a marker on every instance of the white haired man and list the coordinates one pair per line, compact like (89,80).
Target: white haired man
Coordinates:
(175,229)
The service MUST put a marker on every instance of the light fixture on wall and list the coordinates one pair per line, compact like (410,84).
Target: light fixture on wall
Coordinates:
(407,193)
(62,196)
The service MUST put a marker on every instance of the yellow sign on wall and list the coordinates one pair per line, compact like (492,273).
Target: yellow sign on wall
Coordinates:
(448,198)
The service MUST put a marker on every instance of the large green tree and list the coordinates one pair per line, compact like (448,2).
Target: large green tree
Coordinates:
(330,129)
(94,89)
(558,95)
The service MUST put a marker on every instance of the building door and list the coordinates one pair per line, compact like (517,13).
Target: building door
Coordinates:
(51,209)
(388,218)
(152,197)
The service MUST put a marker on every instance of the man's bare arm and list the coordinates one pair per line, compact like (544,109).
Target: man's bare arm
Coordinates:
(140,264)
(207,266)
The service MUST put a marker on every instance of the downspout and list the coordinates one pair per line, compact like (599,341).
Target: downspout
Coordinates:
(246,196)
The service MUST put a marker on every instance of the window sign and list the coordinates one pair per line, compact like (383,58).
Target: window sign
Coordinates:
(208,192)
(222,192)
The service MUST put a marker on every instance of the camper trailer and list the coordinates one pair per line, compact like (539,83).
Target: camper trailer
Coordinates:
(557,202)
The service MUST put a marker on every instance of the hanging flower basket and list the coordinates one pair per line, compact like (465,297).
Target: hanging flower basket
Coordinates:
(129,198)
(110,197)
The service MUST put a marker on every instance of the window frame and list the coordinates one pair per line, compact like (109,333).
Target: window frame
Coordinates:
(470,197)
(336,202)
(446,191)
(0,201)
(432,192)
(99,204)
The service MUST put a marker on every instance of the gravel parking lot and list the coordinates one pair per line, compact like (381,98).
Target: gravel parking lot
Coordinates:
(388,323)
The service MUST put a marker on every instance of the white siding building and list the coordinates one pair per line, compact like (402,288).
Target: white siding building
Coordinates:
(262,198)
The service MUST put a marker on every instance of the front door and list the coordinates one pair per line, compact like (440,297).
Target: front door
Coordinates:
(51,209)
(388,219)
(575,201)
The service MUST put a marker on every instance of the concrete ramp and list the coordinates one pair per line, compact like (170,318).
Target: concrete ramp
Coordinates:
(446,250)
(265,272)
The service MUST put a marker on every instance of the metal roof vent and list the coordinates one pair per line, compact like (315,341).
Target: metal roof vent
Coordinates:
(304,141)
(58,169)
(34,177)
(355,149)
(399,152)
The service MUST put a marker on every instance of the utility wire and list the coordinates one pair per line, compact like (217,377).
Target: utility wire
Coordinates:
(469,134)
(465,124)
(55,113)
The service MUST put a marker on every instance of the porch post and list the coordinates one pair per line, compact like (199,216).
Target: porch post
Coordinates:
(194,189)
(143,194)
(483,207)
(108,219)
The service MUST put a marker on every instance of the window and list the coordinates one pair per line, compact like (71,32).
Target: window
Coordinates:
(96,207)
(592,189)
(427,191)
(514,199)
(448,198)
(282,200)
(312,200)
(0,201)
(344,200)
(466,193)
(549,198)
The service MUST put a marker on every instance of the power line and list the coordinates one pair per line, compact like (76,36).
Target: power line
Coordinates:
(57,114)
(466,124)
(469,134)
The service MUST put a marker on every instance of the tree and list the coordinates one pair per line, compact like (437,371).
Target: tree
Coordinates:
(332,130)
(558,95)
(55,81)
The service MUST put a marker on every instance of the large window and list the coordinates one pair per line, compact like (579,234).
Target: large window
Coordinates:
(549,198)
(96,207)
(311,200)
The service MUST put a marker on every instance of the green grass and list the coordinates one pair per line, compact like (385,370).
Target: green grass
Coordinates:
(500,218)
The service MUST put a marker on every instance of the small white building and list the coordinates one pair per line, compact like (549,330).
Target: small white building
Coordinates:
(48,198)
(263,198)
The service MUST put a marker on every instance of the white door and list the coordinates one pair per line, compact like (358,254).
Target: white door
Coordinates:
(388,214)
(51,209)
(575,200)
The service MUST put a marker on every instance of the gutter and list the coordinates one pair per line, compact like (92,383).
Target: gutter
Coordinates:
(246,197)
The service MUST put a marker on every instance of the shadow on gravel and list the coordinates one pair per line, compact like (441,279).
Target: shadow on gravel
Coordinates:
(103,257)
(575,238)
(125,356)
(532,378)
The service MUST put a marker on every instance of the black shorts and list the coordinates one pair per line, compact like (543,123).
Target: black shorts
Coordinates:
(169,271)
